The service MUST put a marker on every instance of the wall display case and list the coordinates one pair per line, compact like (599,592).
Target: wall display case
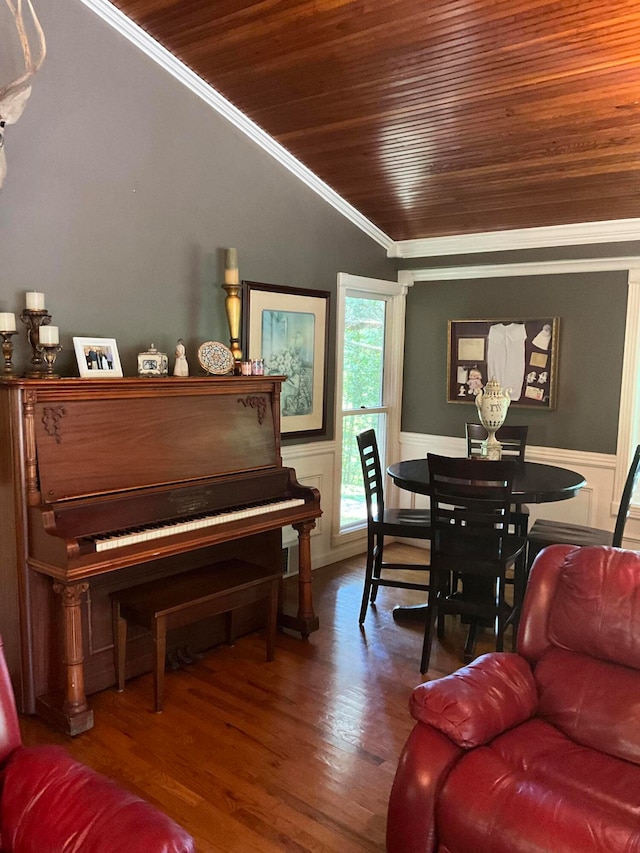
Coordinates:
(522,354)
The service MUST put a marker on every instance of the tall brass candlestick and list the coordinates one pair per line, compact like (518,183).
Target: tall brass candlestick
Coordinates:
(233,304)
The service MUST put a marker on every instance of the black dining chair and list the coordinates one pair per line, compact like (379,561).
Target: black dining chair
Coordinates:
(512,438)
(546,532)
(470,539)
(514,443)
(383,521)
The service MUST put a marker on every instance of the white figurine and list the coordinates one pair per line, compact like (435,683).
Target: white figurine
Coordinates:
(181,367)
(475,381)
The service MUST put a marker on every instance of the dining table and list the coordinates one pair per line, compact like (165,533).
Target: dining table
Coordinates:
(533,482)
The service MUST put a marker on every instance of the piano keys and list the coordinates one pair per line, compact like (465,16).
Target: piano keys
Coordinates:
(112,482)
(139,535)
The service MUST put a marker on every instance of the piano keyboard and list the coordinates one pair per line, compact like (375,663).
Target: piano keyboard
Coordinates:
(133,537)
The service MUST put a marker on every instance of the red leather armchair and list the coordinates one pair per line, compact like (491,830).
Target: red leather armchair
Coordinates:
(539,750)
(51,803)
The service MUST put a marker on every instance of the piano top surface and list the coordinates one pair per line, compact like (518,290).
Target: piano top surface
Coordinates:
(72,386)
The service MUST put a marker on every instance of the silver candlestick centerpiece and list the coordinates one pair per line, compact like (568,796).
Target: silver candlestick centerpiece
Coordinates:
(492,403)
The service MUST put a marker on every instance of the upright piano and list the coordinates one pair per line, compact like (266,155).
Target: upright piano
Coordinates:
(106,483)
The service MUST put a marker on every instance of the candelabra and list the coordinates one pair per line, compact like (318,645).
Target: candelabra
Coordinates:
(49,353)
(7,350)
(33,319)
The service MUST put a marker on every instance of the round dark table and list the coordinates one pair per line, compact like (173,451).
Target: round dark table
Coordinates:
(533,483)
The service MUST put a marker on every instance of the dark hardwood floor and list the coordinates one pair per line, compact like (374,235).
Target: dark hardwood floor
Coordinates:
(295,755)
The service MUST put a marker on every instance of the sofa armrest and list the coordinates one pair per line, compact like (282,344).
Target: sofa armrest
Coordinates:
(475,704)
(425,763)
(51,802)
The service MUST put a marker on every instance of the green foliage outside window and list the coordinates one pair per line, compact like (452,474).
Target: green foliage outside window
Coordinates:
(362,388)
(363,353)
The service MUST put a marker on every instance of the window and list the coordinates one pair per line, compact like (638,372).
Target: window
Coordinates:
(370,342)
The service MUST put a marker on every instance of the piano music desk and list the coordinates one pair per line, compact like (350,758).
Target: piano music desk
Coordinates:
(182,599)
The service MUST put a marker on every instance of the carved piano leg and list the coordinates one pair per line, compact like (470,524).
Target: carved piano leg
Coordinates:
(306,621)
(73,715)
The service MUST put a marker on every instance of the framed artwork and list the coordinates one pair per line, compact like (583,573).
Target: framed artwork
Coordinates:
(521,354)
(97,358)
(288,327)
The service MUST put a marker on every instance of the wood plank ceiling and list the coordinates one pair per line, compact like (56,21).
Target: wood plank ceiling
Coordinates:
(433,117)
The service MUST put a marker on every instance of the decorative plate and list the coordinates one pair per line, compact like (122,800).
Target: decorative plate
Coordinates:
(215,358)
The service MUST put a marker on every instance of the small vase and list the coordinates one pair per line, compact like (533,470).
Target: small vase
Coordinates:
(492,403)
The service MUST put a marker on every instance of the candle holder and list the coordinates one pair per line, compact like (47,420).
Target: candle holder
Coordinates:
(233,307)
(7,350)
(33,319)
(48,354)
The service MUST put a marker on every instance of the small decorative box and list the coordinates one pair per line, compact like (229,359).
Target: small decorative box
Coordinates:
(153,362)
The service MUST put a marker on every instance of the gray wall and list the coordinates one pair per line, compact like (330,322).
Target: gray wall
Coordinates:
(122,190)
(592,311)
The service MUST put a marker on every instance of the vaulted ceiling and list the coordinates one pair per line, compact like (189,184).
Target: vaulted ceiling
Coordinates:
(433,117)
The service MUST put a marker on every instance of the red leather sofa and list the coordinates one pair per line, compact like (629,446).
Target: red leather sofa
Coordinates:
(52,804)
(540,750)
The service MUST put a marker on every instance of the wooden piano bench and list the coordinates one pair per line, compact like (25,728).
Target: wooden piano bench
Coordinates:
(180,600)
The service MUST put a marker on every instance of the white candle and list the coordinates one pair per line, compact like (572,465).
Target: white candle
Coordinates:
(35,300)
(231,266)
(7,322)
(49,335)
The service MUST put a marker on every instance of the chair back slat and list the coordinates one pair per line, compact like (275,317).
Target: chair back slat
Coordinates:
(371,474)
(470,509)
(512,438)
(625,501)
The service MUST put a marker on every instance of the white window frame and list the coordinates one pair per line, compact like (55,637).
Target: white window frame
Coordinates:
(629,417)
(395,295)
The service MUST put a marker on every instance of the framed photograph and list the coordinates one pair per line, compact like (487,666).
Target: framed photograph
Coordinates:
(521,354)
(97,358)
(288,327)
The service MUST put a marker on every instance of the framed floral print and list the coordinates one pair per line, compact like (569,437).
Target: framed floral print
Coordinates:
(288,327)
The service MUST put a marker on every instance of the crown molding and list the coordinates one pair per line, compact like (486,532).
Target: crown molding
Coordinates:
(159,54)
(578,234)
(506,270)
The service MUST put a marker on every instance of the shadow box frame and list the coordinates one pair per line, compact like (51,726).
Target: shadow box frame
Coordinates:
(277,322)
(467,351)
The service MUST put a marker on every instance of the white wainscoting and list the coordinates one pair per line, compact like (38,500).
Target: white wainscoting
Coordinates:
(595,505)
(316,465)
